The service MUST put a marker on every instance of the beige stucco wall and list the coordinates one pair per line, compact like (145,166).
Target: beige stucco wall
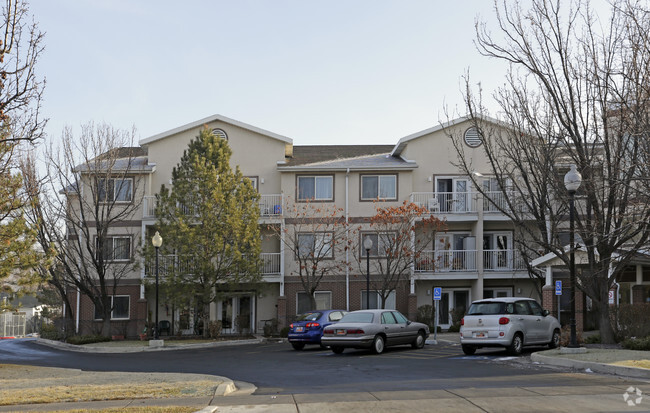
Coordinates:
(255,154)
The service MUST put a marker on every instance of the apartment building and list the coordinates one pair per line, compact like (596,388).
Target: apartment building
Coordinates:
(474,258)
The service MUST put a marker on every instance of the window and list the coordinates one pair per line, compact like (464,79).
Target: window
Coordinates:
(119,308)
(375,300)
(317,188)
(381,243)
(323,301)
(253,180)
(116,248)
(378,187)
(118,190)
(318,245)
(387,318)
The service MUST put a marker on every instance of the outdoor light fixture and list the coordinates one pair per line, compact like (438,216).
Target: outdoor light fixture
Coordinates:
(157,242)
(572,181)
(367,244)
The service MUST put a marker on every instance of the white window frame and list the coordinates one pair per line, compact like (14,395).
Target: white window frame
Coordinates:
(128,316)
(391,302)
(316,196)
(379,243)
(111,239)
(380,178)
(114,190)
(322,241)
(325,300)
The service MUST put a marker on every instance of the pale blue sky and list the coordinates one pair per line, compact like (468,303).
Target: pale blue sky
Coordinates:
(330,72)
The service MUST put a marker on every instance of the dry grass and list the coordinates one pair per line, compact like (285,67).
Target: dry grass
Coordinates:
(29,384)
(643,364)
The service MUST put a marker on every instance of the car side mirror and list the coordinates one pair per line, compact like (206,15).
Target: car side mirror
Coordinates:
(545,313)
(408,322)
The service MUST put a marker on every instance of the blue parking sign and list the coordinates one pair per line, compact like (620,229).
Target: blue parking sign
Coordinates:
(437,293)
(558,287)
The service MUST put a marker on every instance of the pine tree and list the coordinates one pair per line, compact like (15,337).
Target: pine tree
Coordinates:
(208,219)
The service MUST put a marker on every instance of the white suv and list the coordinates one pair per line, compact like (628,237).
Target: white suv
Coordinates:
(510,322)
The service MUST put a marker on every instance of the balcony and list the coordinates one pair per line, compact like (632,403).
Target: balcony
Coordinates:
(270,264)
(465,261)
(270,206)
(460,202)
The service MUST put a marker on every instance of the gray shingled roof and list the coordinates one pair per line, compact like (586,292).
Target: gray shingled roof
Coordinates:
(345,156)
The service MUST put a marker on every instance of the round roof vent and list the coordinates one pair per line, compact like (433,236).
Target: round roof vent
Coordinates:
(473,138)
(220,133)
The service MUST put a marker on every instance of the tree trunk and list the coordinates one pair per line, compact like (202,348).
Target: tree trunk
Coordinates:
(605,322)
(312,300)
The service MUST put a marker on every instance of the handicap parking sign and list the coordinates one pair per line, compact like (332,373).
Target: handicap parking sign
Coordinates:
(558,287)
(437,293)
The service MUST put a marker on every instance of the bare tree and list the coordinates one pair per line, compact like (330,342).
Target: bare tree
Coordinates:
(401,239)
(82,208)
(576,93)
(316,235)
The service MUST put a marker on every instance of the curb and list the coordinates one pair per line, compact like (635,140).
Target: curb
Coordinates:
(81,349)
(595,367)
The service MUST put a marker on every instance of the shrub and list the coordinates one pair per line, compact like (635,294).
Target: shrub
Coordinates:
(565,337)
(214,328)
(633,320)
(285,331)
(271,328)
(51,332)
(79,340)
(425,315)
(637,343)
(593,339)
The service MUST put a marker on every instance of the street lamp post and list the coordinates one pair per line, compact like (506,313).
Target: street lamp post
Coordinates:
(367,244)
(572,181)
(157,242)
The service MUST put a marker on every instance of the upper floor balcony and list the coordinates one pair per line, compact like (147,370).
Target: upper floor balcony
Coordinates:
(467,202)
(271,264)
(270,206)
(443,261)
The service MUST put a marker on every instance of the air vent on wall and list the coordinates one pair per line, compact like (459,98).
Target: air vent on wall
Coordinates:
(220,133)
(473,138)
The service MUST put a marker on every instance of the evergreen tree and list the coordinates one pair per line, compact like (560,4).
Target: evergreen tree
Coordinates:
(208,219)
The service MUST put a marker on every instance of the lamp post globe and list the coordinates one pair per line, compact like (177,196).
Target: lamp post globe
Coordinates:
(572,181)
(157,242)
(367,245)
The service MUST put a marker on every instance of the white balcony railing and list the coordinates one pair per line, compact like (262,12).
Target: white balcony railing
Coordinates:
(446,261)
(149,207)
(270,263)
(445,202)
(270,205)
(465,260)
(166,263)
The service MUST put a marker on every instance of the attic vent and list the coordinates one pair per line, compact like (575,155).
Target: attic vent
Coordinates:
(219,133)
(473,138)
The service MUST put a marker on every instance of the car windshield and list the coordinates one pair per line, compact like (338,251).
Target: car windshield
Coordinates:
(357,318)
(313,316)
(487,308)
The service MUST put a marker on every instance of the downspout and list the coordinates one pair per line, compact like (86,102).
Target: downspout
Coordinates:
(76,324)
(347,240)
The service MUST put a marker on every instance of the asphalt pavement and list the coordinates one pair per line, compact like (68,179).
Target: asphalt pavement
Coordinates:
(232,396)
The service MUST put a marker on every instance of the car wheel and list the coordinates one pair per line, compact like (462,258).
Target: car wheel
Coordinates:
(419,341)
(555,340)
(337,350)
(378,345)
(517,345)
(469,350)
(298,346)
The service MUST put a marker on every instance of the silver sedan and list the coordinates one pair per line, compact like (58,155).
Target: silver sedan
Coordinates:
(374,329)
